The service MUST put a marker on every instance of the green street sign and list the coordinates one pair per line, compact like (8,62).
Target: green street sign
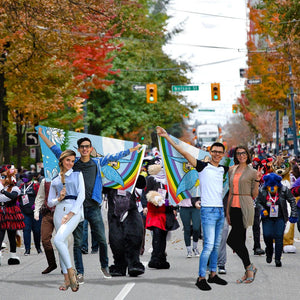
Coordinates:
(184,88)
(212,110)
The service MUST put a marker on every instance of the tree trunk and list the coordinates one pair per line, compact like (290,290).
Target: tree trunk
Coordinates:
(4,140)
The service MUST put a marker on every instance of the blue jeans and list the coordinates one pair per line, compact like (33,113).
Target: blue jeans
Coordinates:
(85,243)
(35,226)
(188,214)
(273,228)
(94,217)
(212,220)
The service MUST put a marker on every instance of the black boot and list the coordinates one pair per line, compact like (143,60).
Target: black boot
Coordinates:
(136,269)
(116,271)
(51,261)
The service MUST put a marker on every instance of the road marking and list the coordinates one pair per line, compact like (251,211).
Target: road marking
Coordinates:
(125,291)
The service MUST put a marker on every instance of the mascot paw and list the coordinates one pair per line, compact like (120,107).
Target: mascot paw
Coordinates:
(136,270)
(155,198)
(264,213)
(289,249)
(14,261)
(293,219)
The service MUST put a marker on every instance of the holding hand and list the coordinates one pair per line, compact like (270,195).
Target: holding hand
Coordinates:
(136,148)
(161,132)
(62,194)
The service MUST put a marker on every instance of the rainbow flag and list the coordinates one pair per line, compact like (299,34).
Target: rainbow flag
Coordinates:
(121,174)
(182,178)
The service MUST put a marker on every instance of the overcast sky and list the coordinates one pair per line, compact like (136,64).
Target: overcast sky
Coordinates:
(204,26)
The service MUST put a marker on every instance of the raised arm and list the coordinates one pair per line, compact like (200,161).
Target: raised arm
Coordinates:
(45,139)
(163,133)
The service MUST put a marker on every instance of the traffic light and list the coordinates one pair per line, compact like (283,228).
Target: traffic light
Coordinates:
(234,108)
(151,93)
(215,91)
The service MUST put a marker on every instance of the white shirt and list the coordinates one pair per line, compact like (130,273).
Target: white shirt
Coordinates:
(211,184)
(74,187)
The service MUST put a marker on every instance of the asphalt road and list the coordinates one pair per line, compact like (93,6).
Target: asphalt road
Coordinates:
(25,281)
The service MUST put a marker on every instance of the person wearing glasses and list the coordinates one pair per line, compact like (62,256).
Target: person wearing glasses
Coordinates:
(91,170)
(243,189)
(212,213)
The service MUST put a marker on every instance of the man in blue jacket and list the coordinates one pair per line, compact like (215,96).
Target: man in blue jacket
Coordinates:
(91,170)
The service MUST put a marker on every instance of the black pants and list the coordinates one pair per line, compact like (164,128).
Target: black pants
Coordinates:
(237,236)
(11,237)
(159,243)
(256,229)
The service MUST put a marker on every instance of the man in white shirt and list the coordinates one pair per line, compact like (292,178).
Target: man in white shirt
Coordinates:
(212,214)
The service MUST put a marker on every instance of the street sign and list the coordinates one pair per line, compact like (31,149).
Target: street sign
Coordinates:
(32,152)
(206,109)
(141,87)
(254,81)
(184,88)
(32,139)
(285,122)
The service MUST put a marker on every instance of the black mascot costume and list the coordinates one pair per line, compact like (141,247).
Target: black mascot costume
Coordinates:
(125,231)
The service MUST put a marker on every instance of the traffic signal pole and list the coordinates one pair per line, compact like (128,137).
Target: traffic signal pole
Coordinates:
(293,116)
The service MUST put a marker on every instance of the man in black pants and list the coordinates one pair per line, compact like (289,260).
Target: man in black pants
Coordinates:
(256,233)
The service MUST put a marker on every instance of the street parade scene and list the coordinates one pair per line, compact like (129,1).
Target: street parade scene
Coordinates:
(149,148)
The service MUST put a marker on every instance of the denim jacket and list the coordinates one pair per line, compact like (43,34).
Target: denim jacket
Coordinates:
(99,161)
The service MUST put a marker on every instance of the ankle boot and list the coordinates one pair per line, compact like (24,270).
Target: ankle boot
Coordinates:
(51,261)
(14,259)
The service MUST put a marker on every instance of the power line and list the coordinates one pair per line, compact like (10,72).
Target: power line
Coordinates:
(205,14)
(177,68)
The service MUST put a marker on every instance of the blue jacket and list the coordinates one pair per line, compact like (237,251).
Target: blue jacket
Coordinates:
(99,161)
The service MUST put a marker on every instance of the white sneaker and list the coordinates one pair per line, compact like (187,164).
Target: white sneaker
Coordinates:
(80,278)
(189,254)
(196,252)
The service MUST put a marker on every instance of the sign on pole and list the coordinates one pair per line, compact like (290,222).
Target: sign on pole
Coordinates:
(31,139)
(184,88)
(141,87)
(254,81)
(285,122)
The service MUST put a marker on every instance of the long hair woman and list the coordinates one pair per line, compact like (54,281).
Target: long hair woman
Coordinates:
(243,189)
(67,193)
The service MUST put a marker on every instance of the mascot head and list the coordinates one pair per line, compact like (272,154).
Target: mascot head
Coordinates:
(7,173)
(281,166)
(272,182)
(154,166)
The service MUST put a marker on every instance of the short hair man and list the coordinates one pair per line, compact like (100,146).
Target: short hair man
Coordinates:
(212,214)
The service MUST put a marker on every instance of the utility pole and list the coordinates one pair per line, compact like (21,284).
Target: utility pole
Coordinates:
(293,115)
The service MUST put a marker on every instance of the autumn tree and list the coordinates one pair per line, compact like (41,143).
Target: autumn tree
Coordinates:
(119,109)
(273,47)
(54,47)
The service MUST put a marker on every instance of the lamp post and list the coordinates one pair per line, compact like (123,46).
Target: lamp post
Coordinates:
(293,115)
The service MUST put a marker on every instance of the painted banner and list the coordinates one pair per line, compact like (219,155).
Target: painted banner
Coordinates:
(121,174)
(182,178)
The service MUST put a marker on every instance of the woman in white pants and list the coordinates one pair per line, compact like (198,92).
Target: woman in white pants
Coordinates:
(67,193)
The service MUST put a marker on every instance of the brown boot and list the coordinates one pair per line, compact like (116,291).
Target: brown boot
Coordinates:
(51,261)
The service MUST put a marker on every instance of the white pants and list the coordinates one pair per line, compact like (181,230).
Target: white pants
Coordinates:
(63,232)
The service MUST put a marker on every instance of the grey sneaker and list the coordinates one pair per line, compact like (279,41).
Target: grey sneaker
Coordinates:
(80,278)
(222,270)
(189,254)
(196,252)
(105,273)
